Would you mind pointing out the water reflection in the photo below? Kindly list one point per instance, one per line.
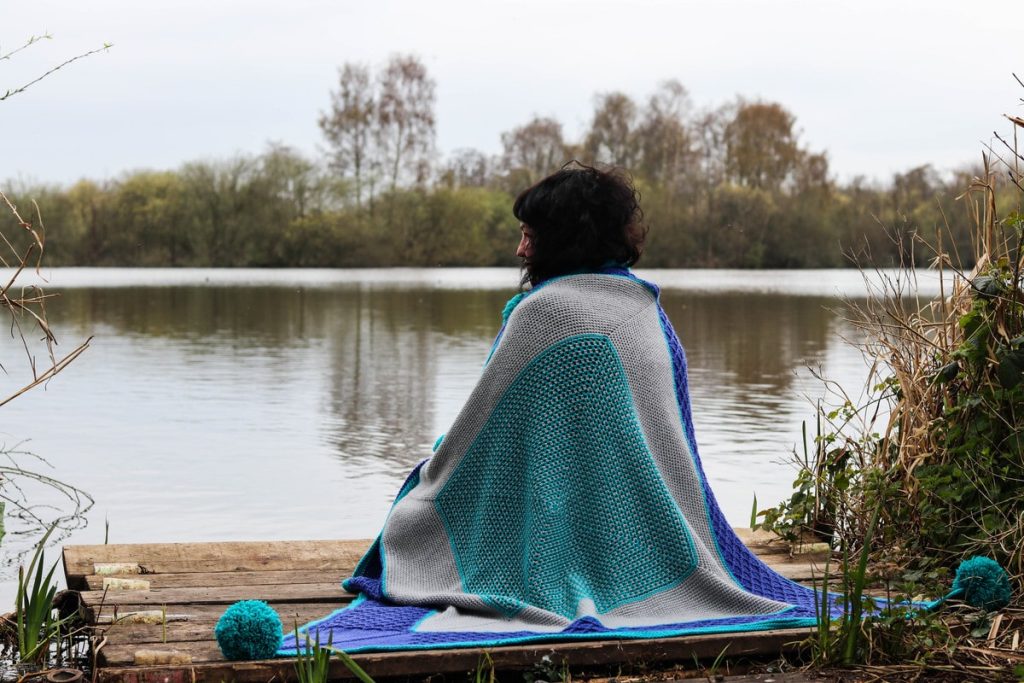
(382, 363)
(757, 339)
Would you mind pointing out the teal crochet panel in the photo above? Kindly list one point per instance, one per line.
(597, 521)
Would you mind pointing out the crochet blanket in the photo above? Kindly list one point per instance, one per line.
(567, 501)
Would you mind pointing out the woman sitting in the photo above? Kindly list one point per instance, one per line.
(567, 500)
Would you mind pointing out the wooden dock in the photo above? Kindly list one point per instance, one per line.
(151, 608)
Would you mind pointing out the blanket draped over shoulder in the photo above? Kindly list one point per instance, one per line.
(567, 501)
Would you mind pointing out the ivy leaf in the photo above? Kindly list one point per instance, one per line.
(947, 372)
(1011, 369)
(970, 321)
(987, 286)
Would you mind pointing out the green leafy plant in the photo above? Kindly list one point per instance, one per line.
(34, 609)
(313, 661)
(948, 388)
(485, 672)
(824, 474)
(547, 669)
(711, 672)
(925, 468)
(351, 665)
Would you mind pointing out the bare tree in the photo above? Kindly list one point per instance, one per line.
(467, 168)
(405, 127)
(381, 127)
(611, 138)
(710, 128)
(666, 145)
(533, 150)
(349, 128)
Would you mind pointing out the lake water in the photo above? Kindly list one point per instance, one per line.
(290, 404)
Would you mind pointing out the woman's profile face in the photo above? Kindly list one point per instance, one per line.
(525, 249)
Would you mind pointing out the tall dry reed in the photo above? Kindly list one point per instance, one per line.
(936, 442)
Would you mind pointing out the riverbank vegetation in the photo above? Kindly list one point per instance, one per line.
(726, 186)
(925, 467)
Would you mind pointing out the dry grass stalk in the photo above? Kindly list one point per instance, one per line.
(914, 343)
(937, 439)
(26, 306)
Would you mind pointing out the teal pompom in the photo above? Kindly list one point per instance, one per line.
(982, 583)
(249, 629)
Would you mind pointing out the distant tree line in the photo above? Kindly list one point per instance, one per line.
(731, 186)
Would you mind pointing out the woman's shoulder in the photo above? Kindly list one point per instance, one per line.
(594, 297)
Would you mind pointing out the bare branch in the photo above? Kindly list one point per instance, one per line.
(30, 303)
(50, 373)
(12, 93)
(31, 41)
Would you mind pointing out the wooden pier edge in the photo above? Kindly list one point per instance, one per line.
(508, 658)
(182, 588)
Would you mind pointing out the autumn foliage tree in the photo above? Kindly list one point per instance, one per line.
(726, 186)
(761, 146)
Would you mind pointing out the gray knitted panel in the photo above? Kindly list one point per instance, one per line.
(457, 620)
(704, 595)
(641, 346)
(418, 560)
(649, 369)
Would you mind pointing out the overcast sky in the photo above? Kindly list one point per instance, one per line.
(881, 85)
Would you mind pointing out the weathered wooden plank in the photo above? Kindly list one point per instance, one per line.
(798, 571)
(147, 634)
(199, 625)
(219, 595)
(338, 557)
(690, 672)
(212, 579)
(170, 558)
(770, 548)
(580, 654)
(81, 559)
(177, 558)
(794, 570)
(304, 592)
(302, 580)
(209, 614)
(115, 654)
(762, 542)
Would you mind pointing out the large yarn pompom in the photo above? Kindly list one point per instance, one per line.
(982, 583)
(249, 629)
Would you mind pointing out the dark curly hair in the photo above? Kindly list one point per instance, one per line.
(580, 218)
